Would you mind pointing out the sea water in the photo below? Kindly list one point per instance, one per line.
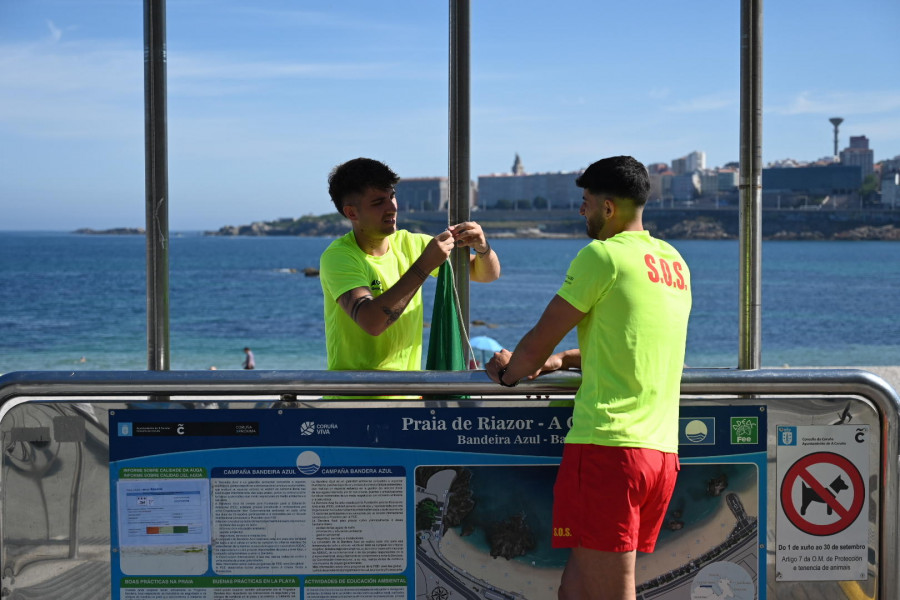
(78, 302)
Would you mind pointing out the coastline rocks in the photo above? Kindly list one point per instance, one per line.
(868, 232)
(696, 229)
(511, 538)
(798, 235)
(114, 231)
(324, 226)
(699, 224)
(717, 485)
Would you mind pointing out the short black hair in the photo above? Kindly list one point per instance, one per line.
(356, 176)
(618, 176)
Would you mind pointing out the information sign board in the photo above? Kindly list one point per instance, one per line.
(822, 524)
(404, 503)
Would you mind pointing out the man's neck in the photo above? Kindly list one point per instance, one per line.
(374, 246)
(613, 229)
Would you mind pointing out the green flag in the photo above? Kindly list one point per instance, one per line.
(445, 348)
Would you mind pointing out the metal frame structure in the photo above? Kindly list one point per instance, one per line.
(748, 382)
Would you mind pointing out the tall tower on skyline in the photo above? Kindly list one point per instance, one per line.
(517, 168)
(836, 121)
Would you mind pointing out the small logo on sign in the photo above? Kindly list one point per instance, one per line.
(787, 436)
(744, 430)
(308, 462)
(701, 430)
(307, 428)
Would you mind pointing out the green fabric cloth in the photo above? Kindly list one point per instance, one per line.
(445, 348)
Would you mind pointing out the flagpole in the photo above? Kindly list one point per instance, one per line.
(459, 180)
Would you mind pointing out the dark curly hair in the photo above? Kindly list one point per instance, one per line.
(618, 176)
(355, 177)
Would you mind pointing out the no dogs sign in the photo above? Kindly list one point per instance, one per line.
(822, 496)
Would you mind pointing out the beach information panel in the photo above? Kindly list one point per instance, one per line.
(404, 503)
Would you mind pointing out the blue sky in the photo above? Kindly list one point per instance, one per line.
(266, 96)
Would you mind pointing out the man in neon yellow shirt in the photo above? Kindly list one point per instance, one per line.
(372, 277)
(629, 294)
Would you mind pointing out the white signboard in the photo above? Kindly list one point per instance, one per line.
(822, 526)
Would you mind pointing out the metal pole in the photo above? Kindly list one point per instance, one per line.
(749, 329)
(156, 185)
(459, 179)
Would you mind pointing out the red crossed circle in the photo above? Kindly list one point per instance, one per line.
(846, 516)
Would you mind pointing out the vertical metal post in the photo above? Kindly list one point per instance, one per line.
(459, 179)
(156, 185)
(749, 330)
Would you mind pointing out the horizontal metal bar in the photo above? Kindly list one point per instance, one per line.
(262, 382)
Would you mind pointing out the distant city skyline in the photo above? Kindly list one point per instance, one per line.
(264, 99)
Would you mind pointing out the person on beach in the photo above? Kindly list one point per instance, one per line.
(372, 276)
(629, 295)
(249, 360)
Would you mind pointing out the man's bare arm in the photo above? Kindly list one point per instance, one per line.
(375, 315)
(533, 353)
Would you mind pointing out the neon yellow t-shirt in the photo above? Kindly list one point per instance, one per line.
(344, 266)
(636, 291)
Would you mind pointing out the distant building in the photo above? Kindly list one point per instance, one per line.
(890, 189)
(426, 193)
(729, 179)
(660, 184)
(709, 183)
(830, 186)
(686, 188)
(858, 154)
(518, 168)
(521, 190)
(890, 165)
(695, 161)
(814, 181)
(534, 190)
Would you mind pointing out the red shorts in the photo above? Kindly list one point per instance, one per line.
(612, 499)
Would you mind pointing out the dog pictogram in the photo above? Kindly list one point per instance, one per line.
(809, 495)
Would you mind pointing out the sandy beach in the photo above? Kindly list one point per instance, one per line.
(510, 575)
(698, 539)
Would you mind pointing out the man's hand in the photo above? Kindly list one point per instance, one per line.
(500, 360)
(435, 253)
(484, 265)
(470, 234)
(553, 363)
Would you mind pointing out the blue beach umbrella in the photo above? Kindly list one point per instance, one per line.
(484, 345)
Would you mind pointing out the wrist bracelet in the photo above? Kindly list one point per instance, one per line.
(500, 375)
(486, 250)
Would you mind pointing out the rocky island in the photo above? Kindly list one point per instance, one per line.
(511, 537)
(114, 231)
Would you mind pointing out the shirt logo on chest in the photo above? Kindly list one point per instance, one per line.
(376, 286)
